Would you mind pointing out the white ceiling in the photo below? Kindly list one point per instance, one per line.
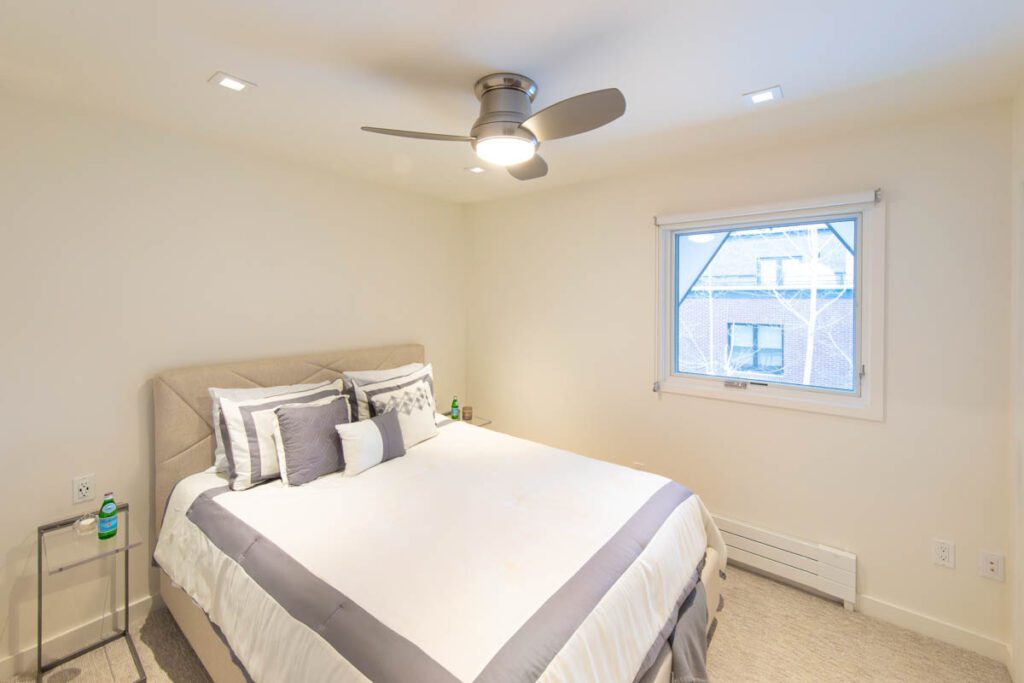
(324, 68)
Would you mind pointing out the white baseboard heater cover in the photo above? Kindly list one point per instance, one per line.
(827, 570)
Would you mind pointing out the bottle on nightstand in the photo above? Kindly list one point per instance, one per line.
(107, 517)
(455, 408)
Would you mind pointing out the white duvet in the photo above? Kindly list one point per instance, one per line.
(454, 547)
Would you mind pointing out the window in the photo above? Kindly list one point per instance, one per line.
(756, 348)
(789, 280)
(780, 307)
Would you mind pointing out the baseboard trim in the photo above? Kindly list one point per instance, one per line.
(25, 661)
(935, 628)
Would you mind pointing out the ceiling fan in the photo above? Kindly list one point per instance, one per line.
(508, 134)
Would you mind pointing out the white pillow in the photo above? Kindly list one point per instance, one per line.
(220, 458)
(361, 411)
(368, 376)
(250, 426)
(411, 397)
(370, 442)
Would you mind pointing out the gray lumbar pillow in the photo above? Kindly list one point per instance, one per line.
(308, 445)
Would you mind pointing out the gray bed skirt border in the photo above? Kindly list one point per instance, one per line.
(383, 655)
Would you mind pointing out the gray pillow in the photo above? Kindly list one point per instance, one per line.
(308, 445)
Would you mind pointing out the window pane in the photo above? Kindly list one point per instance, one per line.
(771, 303)
(769, 337)
(743, 335)
(769, 361)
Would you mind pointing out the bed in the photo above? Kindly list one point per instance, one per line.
(477, 556)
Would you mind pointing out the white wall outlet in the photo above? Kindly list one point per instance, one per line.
(944, 553)
(990, 565)
(83, 488)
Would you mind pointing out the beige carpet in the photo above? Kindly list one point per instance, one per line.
(767, 632)
(165, 655)
(772, 632)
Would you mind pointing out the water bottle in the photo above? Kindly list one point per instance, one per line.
(108, 517)
(455, 407)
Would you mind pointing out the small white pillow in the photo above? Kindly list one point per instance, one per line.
(370, 442)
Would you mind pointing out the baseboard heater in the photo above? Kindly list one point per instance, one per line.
(812, 565)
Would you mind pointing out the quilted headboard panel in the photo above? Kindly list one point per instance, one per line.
(183, 432)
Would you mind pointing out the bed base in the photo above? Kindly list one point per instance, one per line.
(200, 633)
(219, 662)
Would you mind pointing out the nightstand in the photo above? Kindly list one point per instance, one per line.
(61, 548)
(477, 421)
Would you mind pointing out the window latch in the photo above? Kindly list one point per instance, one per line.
(735, 384)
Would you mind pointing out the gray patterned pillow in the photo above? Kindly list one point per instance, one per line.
(412, 399)
(308, 445)
(365, 391)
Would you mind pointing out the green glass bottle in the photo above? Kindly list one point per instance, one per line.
(455, 408)
(108, 517)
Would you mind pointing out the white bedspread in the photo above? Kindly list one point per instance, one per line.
(453, 547)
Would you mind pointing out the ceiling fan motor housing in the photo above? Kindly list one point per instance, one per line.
(505, 102)
(507, 132)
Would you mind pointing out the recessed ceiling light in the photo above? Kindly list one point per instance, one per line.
(476, 169)
(766, 95)
(230, 82)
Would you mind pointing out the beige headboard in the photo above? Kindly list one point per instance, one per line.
(183, 432)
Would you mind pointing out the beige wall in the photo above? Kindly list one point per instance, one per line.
(125, 252)
(561, 350)
(1016, 565)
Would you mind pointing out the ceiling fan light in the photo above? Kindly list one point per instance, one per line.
(506, 150)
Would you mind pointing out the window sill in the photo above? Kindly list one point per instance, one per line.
(807, 400)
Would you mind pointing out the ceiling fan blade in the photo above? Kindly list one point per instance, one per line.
(528, 170)
(415, 134)
(577, 114)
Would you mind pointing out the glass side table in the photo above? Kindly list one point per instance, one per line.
(477, 421)
(61, 548)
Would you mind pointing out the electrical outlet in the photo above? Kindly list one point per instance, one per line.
(83, 488)
(944, 553)
(990, 565)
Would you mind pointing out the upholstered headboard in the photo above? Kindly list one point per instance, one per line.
(182, 428)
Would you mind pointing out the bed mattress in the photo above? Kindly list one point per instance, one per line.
(476, 557)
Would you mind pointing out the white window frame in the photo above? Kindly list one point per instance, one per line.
(865, 403)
